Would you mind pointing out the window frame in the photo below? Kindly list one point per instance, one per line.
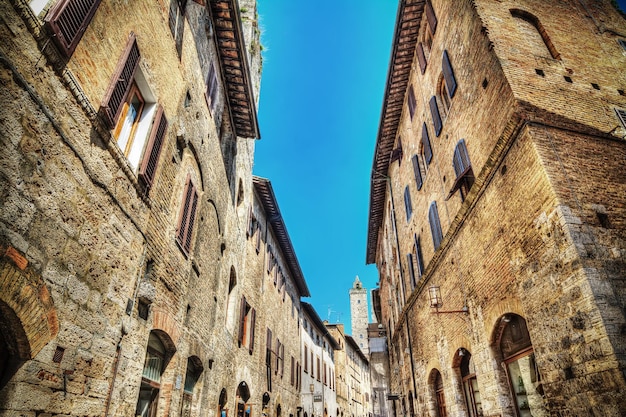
(68, 20)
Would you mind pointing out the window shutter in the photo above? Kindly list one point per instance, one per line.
(432, 19)
(242, 319)
(407, 203)
(434, 111)
(153, 149)
(212, 89)
(188, 216)
(419, 256)
(435, 226)
(428, 153)
(417, 172)
(282, 360)
(411, 101)
(121, 82)
(252, 323)
(621, 114)
(460, 160)
(293, 370)
(448, 74)
(68, 21)
(421, 57)
(409, 260)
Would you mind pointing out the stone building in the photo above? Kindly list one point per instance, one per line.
(498, 208)
(359, 319)
(128, 281)
(318, 394)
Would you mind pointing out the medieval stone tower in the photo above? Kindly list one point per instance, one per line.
(358, 314)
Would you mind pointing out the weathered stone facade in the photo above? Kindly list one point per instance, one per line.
(517, 304)
(359, 319)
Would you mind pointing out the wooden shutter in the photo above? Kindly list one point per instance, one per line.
(417, 172)
(460, 160)
(121, 82)
(153, 149)
(242, 319)
(448, 74)
(435, 225)
(251, 329)
(282, 360)
(411, 101)
(188, 215)
(434, 111)
(621, 115)
(419, 257)
(428, 152)
(409, 260)
(212, 87)
(421, 57)
(430, 16)
(407, 202)
(68, 20)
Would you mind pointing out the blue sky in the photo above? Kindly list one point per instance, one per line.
(324, 74)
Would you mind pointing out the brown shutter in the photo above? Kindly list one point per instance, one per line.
(68, 21)
(432, 19)
(434, 111)
(448, 74)
(121, 82)
(252, 322)
(421, 57)
(188, 215)
(153, 149)
(242, 319)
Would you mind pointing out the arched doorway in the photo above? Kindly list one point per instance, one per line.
(515, 348)
(14, 346)
(223, 400)
(471, 392)
(440, 400)
(243, 395)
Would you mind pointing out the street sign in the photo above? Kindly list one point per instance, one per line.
(317, 398)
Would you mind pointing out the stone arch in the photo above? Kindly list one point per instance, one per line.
(243, 391)
(437, 401)
(538, 26)
(28, 318)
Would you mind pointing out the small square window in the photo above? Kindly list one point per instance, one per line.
(540, 72)
(595, 86)
(568, 79)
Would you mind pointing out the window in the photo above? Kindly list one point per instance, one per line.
(426, 149)
(194, 368)
(434, 111)
(435, 225)
(470, 385)
(411, 101)
(421, 57)
(425, 44)
(177, 23)
(463, 170)
(407, 203)
(246, 325)
(318, 369)
(187, 216)
(448, 75)
(130, 110)
(68, 20)
(293, 371)
(431, 17)
(417, 172)
(212, 88)
(418, 256)
(306, 359)
(156, 359)
(439, 395)
(396, 154)
(268, 359)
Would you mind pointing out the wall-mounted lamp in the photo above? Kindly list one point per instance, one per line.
(436, 301)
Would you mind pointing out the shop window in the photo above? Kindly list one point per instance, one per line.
(470, 385)
(435, 225)
(463, 170)
(157, 356)
(525, 382)
(246, 325)
(187, 216)
(68, 20)
(130, 110)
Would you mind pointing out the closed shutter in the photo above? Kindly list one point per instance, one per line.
(428, 153)
(421, 57)
(409, 260)
(121, 82)
(153, 149)
(68, 21)
(621, 114)
(411, 101)
(212, 87)
(430, 16)
(419, 257)
(460, 160)
(251, 329)
(417, 172)
(242, 319)
(434, 111)
(407, 203)
(448, 74)
(435, 225)
(188, 216)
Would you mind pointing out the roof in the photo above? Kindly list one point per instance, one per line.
(404, 42)
(265, 192)
(320, 324)
(231, 49)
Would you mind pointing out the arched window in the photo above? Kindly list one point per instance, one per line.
(517, 353)
(536, 34)
(470, 384)
(440, 400)
(157, 356)
(194, 369)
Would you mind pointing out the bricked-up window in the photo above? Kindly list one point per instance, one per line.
(212, 88)
(187, 216)
(434, 111)
(408, 207)
(419, 258)
(427, 151)
(411, 101)
(247, 319)
(532, 28)
(435, 225)
(130, 110)
(68, 20)
(463, 170)
(177, 23)
(417, 171)
(409, 261)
